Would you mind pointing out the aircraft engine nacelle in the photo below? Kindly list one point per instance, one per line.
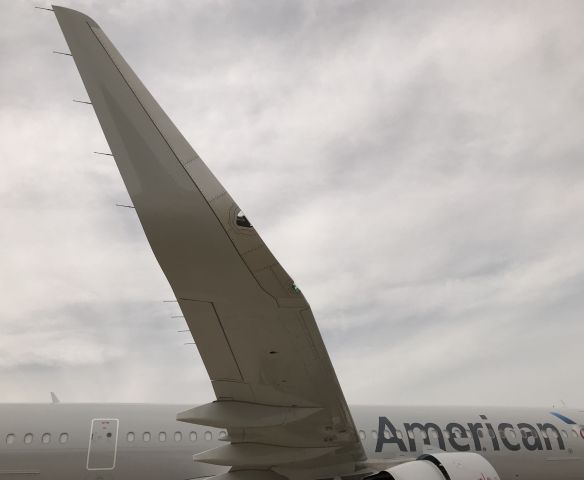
(441, 466)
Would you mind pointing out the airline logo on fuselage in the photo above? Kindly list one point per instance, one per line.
(473, 436)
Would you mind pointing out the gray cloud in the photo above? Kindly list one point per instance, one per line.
(415, 166)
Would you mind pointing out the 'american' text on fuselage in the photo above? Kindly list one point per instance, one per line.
(466, 438)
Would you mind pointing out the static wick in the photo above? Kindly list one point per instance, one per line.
(177, 316)
(169, 301)
(62, 53)
(104, 153)
(43, 8)
(125, 206)
(183, 331)
(189, 343)
(82, 101)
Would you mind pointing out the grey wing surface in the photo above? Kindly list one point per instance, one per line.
(276, 389)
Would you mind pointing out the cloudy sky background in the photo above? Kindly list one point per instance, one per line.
(417, 167)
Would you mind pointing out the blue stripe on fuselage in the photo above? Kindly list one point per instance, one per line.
(563, 418)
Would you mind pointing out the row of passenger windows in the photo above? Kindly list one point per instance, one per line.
(508, 432)
(130, 437)
(178, 436)
(29, 437)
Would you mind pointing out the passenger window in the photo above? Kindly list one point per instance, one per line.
(512, 433)
(64, 438)
(374, 434)
(361, 434)
(410, 434)
(424, 435)
(131, 436)
(222, 434)
(398, 433)
(10, 438)
(481, 434)
(434, 434)
(46, 438)
(574, 434)
(28, 438)
(162, 437)
(146, 436)
(564, 434)
(177, 436)
(208, 435)
(193, 436)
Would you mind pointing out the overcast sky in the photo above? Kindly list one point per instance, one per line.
(417, 167)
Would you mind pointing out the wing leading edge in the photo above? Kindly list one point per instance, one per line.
(277, 392)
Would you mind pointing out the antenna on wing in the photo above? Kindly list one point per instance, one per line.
(62, 53)
(54, 398)
(44, 8)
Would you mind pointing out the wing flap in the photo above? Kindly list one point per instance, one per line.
(244, 415)
(252, 455)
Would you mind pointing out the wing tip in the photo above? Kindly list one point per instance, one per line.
(73, 15)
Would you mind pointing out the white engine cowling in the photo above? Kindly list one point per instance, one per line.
(442, 466)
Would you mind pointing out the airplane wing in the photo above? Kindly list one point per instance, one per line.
(277, 392)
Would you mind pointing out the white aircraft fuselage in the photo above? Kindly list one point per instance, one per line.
(125, 441)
